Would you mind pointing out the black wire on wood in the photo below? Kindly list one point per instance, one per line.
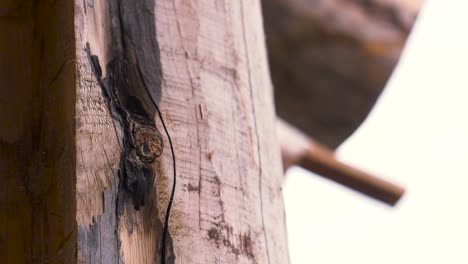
(98, 74)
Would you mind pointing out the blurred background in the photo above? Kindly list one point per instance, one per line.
(330, 61)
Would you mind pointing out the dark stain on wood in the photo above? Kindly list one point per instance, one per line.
(213, 234)
(193, 188)
(238, 244)
(222, 234)
(131, 86)
(142, 142)
(99, 243)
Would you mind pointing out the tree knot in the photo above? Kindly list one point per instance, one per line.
(147, 141)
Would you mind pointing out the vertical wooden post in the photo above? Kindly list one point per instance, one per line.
(204, 63)
(37, 127)
(65, 146)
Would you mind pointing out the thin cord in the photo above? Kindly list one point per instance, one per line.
(171, 198)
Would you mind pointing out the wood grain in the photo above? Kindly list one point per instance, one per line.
(37, 168)
(215, 95)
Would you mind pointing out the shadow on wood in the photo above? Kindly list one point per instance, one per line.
(37, 129)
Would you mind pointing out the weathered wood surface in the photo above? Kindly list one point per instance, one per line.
(37, 167)
(215, 95)
(330, 59)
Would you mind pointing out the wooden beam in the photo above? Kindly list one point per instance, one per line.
(299, 150)
(37, 129)
(331, 59)
(204, 64)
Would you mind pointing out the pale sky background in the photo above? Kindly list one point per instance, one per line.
(417, 136)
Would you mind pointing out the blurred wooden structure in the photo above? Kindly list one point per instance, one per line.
(330, 59)
(298, 149)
